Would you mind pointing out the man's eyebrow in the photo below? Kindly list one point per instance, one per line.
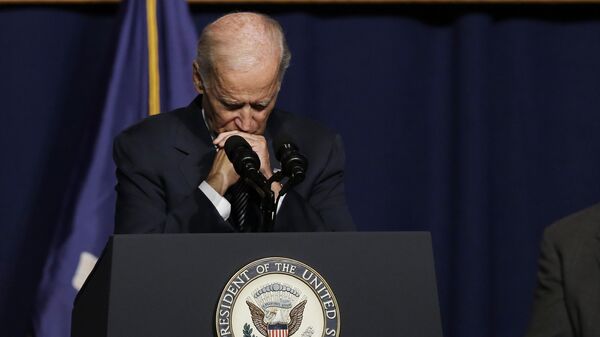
(264, 102)
(230, 101)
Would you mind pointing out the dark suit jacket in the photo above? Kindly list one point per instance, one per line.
(162, 160)
(567, 299)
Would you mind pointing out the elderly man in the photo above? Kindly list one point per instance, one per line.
(172, 172)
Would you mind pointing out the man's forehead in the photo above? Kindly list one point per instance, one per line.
(233, 97)
(258, 83)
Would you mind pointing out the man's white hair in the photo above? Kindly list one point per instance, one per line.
(243, 40)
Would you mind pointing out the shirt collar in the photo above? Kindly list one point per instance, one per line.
(210, 132)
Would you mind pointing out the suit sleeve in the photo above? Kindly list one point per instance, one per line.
(141, 201)
(549, 317)
(325, 208)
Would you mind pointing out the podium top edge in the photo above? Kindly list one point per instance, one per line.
(273, 234)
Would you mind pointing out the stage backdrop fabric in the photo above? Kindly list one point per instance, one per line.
(479, 124)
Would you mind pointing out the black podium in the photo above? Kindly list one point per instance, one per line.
(170, 285)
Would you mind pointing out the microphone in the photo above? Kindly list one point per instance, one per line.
(246, 164)
(293, 164)
(244, 160)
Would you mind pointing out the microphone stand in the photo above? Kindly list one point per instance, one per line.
(267, 204)
(269, 210)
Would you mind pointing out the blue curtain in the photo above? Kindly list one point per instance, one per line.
(478, 124)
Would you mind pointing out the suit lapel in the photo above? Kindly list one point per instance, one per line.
(194, 142)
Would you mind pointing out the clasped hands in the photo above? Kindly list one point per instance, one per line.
(222, 174)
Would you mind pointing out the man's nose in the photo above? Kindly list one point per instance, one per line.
(244, 122)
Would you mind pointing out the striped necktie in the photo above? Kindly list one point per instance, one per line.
(238, 197)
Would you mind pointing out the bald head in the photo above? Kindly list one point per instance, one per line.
(240, 42)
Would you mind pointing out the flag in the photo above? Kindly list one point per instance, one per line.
(151, 73)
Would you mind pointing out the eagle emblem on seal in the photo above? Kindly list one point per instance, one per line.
(277, 310)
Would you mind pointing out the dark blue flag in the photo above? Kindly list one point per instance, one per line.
(151, 73)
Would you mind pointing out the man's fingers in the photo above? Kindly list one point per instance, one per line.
(253, 140)
(258, 144)
(222, 137)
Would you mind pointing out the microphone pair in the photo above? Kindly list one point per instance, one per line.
(247, 164)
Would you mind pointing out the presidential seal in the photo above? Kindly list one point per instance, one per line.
(277, 297)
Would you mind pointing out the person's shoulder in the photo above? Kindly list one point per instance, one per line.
(572, 229)
(152, 129)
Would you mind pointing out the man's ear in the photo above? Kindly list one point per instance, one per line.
(197, 79)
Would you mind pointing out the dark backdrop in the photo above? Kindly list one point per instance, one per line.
(479, 124)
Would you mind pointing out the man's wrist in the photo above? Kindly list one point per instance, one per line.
(218, 183)
(267, 172)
